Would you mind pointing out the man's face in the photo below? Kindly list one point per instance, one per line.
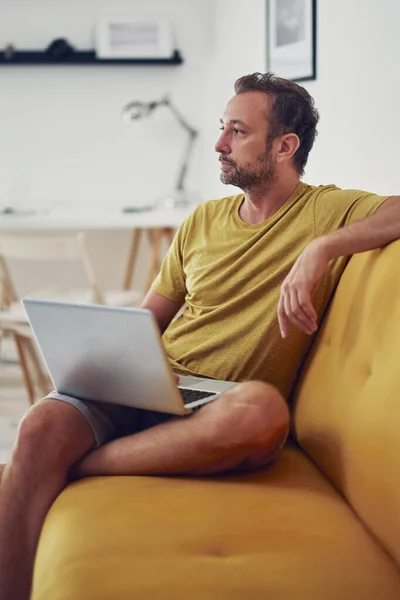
(245, 156)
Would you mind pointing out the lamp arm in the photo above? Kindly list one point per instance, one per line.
(193, 133)
(167, 102)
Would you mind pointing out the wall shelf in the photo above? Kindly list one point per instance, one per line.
(86, 57)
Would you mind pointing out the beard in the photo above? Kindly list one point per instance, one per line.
(246, 177)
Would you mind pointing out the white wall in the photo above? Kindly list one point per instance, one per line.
(357, 93)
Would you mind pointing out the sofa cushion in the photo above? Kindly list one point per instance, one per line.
(282, 533)
(347, 410)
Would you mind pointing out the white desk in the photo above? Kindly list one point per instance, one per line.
(64, 220)
(156, 223)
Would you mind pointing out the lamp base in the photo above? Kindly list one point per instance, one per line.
(178, 199)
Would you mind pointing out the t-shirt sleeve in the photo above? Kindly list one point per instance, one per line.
(335, 208)
(171, 281)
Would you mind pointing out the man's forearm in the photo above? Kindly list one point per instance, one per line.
(372, 232)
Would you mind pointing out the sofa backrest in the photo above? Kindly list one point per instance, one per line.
(347, 402)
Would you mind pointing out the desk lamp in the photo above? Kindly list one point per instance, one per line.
(179, 197)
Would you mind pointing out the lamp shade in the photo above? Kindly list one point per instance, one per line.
(137, 110)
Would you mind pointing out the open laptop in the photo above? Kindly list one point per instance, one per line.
(115, 355)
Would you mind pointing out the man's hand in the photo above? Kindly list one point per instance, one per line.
(295, 300)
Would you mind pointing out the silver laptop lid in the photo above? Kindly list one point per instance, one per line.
(105, 354)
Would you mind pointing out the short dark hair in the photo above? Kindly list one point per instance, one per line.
(293, 110)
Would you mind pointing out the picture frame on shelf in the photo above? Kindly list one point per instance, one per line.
(291, 39)
(133, 37)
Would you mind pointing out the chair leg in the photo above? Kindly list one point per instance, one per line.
(155, 237)
(30, 389)
(169, 233)
(133, 250)
(42, 379)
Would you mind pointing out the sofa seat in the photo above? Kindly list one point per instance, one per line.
(283, 533)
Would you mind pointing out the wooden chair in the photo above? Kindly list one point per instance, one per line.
(33, 373)
(17, 249)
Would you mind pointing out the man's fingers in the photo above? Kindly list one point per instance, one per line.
(298, 317)
(176, 377)
(303, 312)
(295, 306)
(304, 298)
(282, 318)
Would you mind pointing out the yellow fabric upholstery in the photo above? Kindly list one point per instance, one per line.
(347, 414)
(282, 534)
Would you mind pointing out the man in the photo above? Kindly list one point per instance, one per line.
(256, 272)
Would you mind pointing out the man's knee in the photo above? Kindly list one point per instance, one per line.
(51, 434)
(269, 407)
(255, 415)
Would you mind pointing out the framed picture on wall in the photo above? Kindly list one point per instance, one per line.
(134, 37)
(291, 43)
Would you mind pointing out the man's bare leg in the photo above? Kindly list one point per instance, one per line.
(240, 430)
(52, 437)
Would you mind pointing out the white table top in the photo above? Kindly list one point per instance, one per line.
(102, 219)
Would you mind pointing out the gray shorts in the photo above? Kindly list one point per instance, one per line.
(111, 421)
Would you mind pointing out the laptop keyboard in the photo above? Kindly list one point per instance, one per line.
(189, 396)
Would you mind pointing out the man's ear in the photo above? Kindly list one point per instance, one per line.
(288, 146)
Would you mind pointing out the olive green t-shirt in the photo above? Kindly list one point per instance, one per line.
(229, 274)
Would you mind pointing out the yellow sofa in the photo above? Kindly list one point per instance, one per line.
(322, 523)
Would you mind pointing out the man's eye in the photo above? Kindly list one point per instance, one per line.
(235, 130)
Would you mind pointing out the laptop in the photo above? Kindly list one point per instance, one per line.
(115, 355)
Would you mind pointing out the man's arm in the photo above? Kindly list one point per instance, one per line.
(372, 232)
(162, 308)
(375, 231)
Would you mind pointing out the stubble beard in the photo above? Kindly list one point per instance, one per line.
(249, 178)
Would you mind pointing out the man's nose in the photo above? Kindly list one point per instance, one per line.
(222, 145)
